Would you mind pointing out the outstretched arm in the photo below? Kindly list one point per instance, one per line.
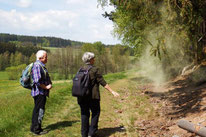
(113, 92)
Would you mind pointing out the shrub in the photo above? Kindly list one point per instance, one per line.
(14, 72)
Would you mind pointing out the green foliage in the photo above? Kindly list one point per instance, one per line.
(14, 72)
(32, 58)
(17, 43)
(29, 50)
(5, 60)
(64, 63)
(191, 16)
(12, 48)
(96, 47)
(173, 31)
(140, 23)
(45, 43)
(13, 55)
(88, 47)
(12, 59)
(132, 20)
(112, 59)
(119, 58)
(18, 59)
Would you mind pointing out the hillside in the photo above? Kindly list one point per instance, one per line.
(38, 40)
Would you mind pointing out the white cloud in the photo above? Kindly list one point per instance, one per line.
(101, 31)
(78, 20)
(24, 3)
(52, 19)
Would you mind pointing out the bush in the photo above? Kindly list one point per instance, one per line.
(14, 72)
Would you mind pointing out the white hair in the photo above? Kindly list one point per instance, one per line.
(87, 57)
(40, 54)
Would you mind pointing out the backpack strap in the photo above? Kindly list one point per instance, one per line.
(89, 67)
(42, 68)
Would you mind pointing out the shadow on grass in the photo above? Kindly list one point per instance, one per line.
(106, 132)
(61, 124)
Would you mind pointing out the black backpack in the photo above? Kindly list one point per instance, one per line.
(81, 83)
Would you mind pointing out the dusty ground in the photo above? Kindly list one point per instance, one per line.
(180, 98)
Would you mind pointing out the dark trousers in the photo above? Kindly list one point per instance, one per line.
(86, 106)
(38, 113)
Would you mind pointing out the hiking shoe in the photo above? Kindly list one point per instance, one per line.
(40, 133)
(95, 135)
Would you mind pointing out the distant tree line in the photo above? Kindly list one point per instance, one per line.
(12, 55)
(109, 59)
(66, 61)
(38, 41)
(12, 48)
(63, 62)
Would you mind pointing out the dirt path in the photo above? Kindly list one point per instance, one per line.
(141, 110)
(148, 111)
(134, 113)
(181, 99)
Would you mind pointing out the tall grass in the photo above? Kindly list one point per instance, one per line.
(62, 115)
(3, 75)
(16, 105)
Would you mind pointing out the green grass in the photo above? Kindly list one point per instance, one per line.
(130, 107)
(62, 115)
(52, 49)
(4, 75)
(114, 76)
(17, 104)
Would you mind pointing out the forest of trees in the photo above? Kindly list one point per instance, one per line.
(38, 41)
(173, 30)
(108, 59)
(64, 62)
(12, 55)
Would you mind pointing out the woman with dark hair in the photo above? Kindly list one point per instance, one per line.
(92, 101)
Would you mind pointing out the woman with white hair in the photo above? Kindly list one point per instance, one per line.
(92, 101)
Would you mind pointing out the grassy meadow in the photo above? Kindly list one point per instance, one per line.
(62, 117)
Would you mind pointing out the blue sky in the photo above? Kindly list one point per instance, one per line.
(79, 20)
